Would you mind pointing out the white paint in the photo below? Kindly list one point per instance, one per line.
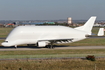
(101, 32)
(44, 35)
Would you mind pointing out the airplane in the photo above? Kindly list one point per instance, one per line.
(48, 35)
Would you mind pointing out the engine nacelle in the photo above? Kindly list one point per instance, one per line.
(41, 44)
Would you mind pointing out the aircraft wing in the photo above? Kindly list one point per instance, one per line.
(58, 40)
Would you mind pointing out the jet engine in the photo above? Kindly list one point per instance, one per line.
(41, 44)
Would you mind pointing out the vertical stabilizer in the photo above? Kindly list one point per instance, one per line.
(87, 27)
(101, 32)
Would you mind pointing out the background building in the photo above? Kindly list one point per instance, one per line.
(69, 20)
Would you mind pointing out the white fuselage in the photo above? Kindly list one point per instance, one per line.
(33, 34)
(44, 35)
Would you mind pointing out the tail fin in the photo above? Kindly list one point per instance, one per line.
(87, 27)
(101, 32)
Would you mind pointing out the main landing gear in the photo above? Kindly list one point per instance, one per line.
(50, 46)
(15, 46)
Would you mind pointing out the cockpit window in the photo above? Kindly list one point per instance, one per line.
(6, 41)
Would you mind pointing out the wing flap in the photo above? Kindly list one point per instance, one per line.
(58, 40)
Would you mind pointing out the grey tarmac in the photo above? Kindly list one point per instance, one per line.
(20, 48)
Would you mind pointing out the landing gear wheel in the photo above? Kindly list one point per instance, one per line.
(51, 47)
(15, 46)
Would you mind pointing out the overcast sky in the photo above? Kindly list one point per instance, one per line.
(51, 9)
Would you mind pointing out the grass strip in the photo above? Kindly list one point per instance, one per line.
(49, 56)
(54, 52)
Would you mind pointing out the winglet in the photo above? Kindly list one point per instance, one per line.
(101, 32)
(87, 27)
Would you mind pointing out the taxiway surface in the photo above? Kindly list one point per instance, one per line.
(56, 48)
